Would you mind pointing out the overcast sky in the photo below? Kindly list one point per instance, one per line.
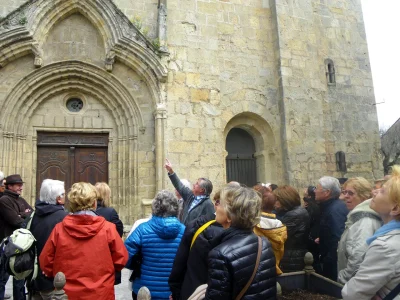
(382, 23)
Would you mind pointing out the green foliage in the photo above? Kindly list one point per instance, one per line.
(156, 44)
(137, 21)
(23, 21)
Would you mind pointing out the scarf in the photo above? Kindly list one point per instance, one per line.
(197, 200)
(392, 225)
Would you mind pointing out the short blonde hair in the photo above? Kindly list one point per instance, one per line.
(361, 185)
(287, 196)
(82, 196)
(242, 206)
(393, 184)
(104, 193)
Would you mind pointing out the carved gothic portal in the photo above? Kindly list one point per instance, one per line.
(72, 158)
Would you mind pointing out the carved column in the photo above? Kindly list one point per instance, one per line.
(160, 117)
(162, 25)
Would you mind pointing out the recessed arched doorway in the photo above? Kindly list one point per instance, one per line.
(241, 164)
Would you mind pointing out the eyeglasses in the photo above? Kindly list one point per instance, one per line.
(350, 193)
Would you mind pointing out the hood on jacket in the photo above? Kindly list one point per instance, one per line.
(43, 208)
(269, 221)
(83, 226)
(166, 228)
(360, 211)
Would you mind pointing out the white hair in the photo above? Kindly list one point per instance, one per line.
(186, 183)
(50, 190)
(1, 178)
(332, 184)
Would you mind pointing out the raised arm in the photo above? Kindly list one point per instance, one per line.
(185, 192)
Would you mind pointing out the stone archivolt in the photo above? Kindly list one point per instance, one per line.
(24, 32)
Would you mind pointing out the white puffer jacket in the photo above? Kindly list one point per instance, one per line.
(362, 222)
(379, 273)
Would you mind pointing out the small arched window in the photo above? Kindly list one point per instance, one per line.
(330, 72)
(341, 161)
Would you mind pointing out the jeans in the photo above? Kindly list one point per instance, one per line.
(3, 281)
(18, 286)
(19, 289)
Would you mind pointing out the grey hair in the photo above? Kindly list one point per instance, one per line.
(50, 190)
(332, 184)
(207, 185)
(186, 183)
(165, 204)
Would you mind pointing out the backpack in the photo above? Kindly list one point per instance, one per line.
(18, 255)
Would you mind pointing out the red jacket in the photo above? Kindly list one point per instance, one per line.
(88, 250)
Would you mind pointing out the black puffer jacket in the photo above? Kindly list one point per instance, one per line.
(297, 222)
(231, 264)
(46, 217)
(190, 267)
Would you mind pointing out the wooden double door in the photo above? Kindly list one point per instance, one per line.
(72, 157)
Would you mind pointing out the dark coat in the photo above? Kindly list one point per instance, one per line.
(231, 264)
(333, 217)
(297, 222)
(12, 212)
(111, 215)
(205, 207)
(190, 267)
(46, 217)
(315, 216)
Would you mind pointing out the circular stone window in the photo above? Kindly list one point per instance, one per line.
(74, 104)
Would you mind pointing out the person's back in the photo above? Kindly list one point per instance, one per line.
(273, 229)
(297, 224)
(190, 268)
(157, 241)
(85, 247)
(238, 250)
(49, 211)
(46, 217)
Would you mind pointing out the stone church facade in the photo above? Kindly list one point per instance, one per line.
(105, 90)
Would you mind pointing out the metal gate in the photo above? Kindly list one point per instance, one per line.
(242, 170)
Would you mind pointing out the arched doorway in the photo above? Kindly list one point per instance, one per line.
(240, 161)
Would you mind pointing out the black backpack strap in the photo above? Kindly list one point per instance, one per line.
(393, 293)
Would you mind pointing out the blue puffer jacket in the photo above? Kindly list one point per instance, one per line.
(157, 240)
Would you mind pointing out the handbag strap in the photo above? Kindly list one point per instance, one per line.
(200, 230)
(393, 293)
(254, 272)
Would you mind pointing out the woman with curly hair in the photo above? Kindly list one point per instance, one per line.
(378, 273)
(232, 262)
(157, 241)
(85, 247)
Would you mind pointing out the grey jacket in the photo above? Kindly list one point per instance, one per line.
(362, 222)
(379, 273)
(205, 207)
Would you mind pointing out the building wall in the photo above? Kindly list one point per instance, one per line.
(323, 119)
(258, 65)
(222, 67)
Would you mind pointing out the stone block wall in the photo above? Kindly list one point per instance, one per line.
(222, 65)
(322, 119)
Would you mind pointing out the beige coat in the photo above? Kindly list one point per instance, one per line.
(379, 273)
(362, 222)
